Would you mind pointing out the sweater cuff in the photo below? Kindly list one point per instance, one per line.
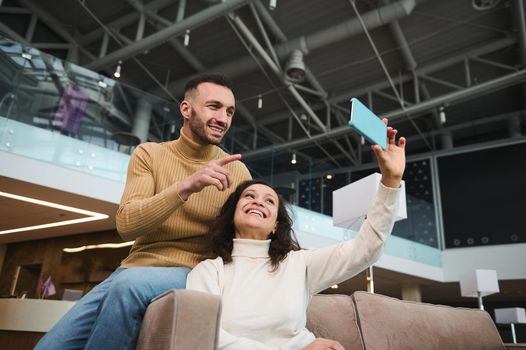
(172, 196)
(388, 195)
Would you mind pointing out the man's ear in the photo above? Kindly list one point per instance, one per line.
(185, 109)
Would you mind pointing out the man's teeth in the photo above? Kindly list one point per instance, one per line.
(255, 212)
(216, 129)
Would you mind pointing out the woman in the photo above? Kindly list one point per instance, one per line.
(266, 282)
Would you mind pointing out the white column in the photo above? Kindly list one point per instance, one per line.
(141, 121)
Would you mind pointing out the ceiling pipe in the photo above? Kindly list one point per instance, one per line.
(166, 34)
(415, 110)
(373, 19)
(253, 41)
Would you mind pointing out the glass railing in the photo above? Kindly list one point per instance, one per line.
(307, 221)
(53, 147)
(44, 91)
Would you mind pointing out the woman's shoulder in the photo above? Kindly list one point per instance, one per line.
(209, 264)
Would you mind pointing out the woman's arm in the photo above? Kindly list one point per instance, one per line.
(207, 277)
(337, 263)
(334, 264)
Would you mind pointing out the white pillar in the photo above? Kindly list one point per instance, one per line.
(141, 121)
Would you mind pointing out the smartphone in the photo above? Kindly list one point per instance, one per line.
(368, 124)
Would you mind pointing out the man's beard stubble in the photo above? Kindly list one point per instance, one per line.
(198, 128)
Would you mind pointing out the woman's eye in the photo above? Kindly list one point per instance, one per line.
(249, 195)
(270, 201)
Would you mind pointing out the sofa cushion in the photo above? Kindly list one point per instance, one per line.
(333, 317)
(389, 323)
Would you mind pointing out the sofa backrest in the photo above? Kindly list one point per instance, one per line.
(332, 316)
(372, 321)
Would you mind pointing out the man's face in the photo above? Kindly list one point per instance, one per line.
(208, 112)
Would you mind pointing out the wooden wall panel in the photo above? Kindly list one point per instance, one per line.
(81, 270)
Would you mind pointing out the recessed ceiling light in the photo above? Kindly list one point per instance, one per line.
(97, 246)
(91, 215)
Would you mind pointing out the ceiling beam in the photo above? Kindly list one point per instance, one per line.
(167, 33)
(415, 110)
(51, 21)
(315, 41)
(124, 21)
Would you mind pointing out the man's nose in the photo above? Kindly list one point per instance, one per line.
(222, 116)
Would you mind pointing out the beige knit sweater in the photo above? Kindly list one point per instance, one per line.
(167, 230)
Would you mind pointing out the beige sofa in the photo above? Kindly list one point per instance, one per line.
(183, 320)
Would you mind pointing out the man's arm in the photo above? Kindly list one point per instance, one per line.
(141, 209)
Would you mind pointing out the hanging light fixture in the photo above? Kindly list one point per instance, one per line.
(186, 41)
(272, 4)
(442, 115)
(293, 160)
(117, 73)
(260, 102)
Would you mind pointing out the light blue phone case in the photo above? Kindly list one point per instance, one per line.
(367, 124)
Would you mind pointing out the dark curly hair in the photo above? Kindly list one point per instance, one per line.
(222, 232)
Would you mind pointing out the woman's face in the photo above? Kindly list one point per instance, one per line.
(256, 212)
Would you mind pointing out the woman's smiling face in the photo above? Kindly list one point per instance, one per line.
(256, 212)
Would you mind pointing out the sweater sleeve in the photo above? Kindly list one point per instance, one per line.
(141, 209)
(207, 277)
(334, 264)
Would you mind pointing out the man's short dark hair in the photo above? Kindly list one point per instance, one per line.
(215, 78)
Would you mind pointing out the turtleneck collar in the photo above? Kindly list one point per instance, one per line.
(192, 150)
(251, 248)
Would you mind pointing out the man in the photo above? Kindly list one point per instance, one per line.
(173, 192)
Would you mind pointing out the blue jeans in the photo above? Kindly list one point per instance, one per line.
(110, 315)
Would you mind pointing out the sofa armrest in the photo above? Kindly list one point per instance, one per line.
(519, 346)
(181, 319)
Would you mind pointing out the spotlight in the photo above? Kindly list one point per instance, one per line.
(260, 102)
(117, 73)
(295, 67)
(293, 160)
(272, 4)
(329, 177)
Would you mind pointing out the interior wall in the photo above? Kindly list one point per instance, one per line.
(81, 271)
